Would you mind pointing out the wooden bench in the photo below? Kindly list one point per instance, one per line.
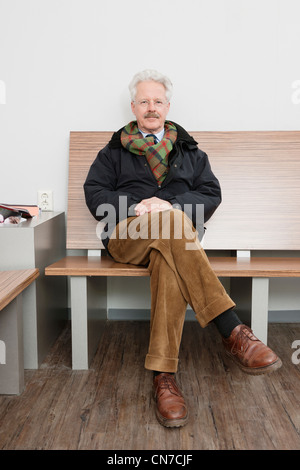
(12, 284)
(259, 174)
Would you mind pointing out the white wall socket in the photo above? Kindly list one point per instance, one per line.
(45, 200)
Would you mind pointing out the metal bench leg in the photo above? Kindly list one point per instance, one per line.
(88, 315)
(79, 332)
(252, 298)
(12, 359)
(259, 307)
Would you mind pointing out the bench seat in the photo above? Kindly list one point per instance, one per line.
(222, 266)
(12, 284)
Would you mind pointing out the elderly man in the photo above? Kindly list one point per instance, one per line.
(156, 167)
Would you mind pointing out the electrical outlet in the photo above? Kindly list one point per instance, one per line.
(45, 200)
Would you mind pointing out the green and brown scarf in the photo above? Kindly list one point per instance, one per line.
(157, 154)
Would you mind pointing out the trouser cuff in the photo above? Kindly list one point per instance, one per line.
(161, 364)
(214, 309)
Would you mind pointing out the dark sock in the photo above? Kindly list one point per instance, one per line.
(155, 373)
(226, 322)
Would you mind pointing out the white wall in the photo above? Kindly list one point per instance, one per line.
(66, 64)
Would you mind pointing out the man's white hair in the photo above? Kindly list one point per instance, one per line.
(150, 75)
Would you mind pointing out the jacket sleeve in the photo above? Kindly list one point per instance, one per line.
(100, 189)
(205, 191)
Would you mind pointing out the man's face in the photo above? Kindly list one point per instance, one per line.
(150, 106)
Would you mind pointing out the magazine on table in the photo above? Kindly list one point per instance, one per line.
(14, 213)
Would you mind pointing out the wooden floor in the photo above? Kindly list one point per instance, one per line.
(110, 406)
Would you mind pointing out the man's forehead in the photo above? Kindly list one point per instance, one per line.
(150, 87)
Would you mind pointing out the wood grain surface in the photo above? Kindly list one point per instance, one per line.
(12, 283)
(110, 406)
(222, 266)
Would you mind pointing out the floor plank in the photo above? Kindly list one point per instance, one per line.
(110, 406)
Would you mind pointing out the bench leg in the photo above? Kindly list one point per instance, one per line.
(259, 308)
(252, 298)
(88, 316)
(11, 358)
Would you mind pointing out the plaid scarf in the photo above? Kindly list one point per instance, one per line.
(156, 154)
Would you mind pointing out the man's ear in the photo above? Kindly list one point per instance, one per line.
(133, 107)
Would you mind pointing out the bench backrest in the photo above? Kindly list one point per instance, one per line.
(259, 173)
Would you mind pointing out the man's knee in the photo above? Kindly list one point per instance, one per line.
(182, 225)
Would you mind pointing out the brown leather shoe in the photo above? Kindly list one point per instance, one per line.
(249, 353)
(171, 410)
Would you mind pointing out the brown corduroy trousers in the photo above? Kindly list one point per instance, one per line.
(180, 274)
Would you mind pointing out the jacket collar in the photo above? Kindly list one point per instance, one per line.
(183, 137)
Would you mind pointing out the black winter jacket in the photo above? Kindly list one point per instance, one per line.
(117, 172)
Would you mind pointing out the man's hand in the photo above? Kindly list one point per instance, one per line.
(153, 204)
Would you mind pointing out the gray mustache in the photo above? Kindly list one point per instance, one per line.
(151, 115)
